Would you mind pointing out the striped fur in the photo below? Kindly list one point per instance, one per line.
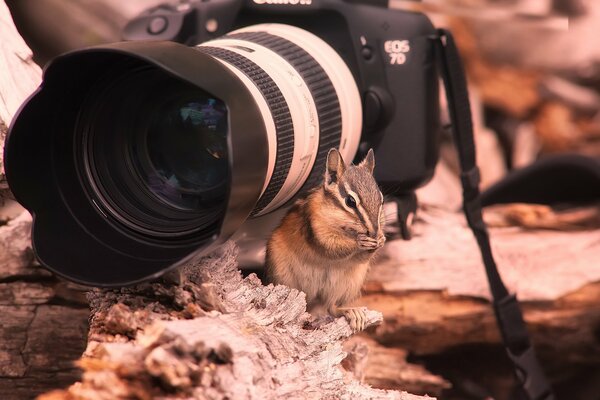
(323, 246)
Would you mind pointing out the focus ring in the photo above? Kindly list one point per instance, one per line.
(321, 88)
(281, 116)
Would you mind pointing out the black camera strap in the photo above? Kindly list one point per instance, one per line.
(506, 307)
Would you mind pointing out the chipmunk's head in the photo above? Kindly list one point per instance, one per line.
(354, 193)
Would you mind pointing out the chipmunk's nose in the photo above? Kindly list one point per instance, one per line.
(373, 229)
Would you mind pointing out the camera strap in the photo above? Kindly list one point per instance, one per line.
(506, 307)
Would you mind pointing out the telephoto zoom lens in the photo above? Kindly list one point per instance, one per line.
(136, 157)
(308, 100)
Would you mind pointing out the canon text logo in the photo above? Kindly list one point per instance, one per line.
(288, 2)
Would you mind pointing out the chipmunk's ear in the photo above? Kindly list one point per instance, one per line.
(335, 167)
(369, 161)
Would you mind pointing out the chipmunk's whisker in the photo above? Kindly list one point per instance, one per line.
(391, 217)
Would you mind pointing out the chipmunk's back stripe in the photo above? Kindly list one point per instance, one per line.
(321, 88)
(281, 116)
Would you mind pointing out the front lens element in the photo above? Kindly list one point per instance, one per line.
(186, 145)
(154, 152)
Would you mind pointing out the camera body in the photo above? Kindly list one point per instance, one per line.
(389, 52)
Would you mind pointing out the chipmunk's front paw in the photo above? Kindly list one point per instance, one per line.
(356, 317)
(368, 243)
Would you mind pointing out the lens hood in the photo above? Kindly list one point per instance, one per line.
(72, 234)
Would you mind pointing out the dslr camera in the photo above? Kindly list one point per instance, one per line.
(213, 116)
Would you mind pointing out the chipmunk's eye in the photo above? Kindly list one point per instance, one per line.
(350, 202)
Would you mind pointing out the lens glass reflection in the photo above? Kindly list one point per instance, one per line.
(154, 152)
(187, 147)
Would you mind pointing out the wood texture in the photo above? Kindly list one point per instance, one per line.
(43, 321)
(434, 296)
(247, 341)
(539, 264)
(387, 368)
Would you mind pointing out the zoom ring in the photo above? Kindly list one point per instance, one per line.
(281, 116)
(321, 88)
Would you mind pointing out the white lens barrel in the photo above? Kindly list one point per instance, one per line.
(308, 99)
(303, 114)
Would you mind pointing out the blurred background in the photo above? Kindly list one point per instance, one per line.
(534, 74)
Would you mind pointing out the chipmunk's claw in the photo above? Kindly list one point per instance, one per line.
(356, 318)
(368, 243)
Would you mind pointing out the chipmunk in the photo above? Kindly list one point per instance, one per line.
(325, 243)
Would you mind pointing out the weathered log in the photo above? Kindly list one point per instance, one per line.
(247, 341)
(538, 264)
(39, 321)
(44, 320)
(434, 295)
(387, 368)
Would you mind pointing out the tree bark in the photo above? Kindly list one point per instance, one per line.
(435, 300)
(43, 320)
(213, 334)
(387, 368)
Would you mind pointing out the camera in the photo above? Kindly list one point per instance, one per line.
(210, 120)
